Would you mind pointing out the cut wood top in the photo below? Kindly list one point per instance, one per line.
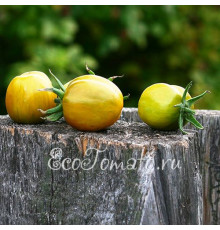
(122, 132)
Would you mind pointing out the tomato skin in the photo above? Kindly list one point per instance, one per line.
(156, 106)
(23, 98)
(92, 103)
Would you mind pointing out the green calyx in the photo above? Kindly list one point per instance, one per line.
(114, 77)
(55, 113)
(89, 70)
(110, 79)
(126, 97)
(58, 92)
(186, 113)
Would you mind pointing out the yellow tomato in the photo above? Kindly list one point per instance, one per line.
(23, 98)
(92, 103)
(66, 85)
(156, 106)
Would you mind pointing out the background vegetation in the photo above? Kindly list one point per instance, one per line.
(146, 44)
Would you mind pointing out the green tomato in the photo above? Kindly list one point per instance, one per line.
(163, 107)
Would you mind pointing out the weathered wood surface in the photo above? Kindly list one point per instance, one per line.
(153, 193)
(209, 154)
(209, 148)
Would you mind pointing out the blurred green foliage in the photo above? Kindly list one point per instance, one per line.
(146, 44)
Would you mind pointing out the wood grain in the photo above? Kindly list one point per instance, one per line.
(32, 193)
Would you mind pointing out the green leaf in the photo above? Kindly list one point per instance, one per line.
(89, 70)
(191, 101)
(188, 110)
(181, 120)
(58, 92)
(56, 109)
(54, 117)
(126, 97)
(185, 92)
(190, 118)
(114, 77)
(58, 81)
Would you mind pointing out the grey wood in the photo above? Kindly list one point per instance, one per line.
(152, 193)
(209, 154)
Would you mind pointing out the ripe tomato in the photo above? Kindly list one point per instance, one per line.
(157, 107)
(88, 103)
(92, 103)
(23, 98)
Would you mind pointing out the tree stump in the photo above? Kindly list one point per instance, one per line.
(126, 174)
(209, 153)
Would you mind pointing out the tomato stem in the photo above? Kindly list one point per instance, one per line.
(58, 81)
(57, 100)
(56, 109)
(126, 97)
(186, 113)
(181, 123)
(185, 93)
(89, 70)
(54, 117)
(114, 77)
(190, 118)
(56, 113)
(58, 92)
(191, 101)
